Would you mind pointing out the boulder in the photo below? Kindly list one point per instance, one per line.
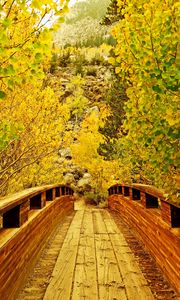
(69, 179)
(83, 185)
(65, 153)
(87, 176)
(93, 109)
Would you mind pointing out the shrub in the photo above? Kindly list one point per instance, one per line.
(91, 71)
(65, 58)
(97, 60)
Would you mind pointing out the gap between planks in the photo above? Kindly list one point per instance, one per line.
(61, 281)
(95, 262)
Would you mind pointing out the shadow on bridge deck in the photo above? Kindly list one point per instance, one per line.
(88, 257)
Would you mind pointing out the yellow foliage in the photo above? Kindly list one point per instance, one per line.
(146, 58)
(85, 154)
(31, 116)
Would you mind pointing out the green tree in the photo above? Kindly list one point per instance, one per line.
(113, 13)
(115, 98)
(146, 58)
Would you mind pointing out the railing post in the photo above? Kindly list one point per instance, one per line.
(23, 214)
(123, 190)
(143, 198)
(170, 213)
(43, 199)
(166, 212)
(115, 189)
(54, 193)
(130, 193)
(57, 193)
(1, 221)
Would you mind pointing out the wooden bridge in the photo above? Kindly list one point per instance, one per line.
(53, 247)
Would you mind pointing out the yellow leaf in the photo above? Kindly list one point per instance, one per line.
(112, 60)
(117, 70)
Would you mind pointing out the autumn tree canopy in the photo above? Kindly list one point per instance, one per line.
(145, 59)
(44, 89)
(29, 127)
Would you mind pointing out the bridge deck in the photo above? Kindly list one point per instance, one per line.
(93, 261)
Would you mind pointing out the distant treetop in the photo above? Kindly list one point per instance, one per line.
(113, 13)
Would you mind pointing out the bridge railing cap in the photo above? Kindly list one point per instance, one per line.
(149, 189)
(176, 204)
(13, 200)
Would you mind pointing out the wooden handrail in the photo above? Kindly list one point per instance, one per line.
(150, 197)
(144, 188)
(14, 208)
(156, 220)
(27, 219)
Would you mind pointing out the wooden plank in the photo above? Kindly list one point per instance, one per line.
(60, 284)
(79, 204)
(134, 281)
(85, 279)
(87, 224)
(24, 210)
(110, 282)
(99, 226)
(110, 228)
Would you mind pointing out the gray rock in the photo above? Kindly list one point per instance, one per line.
(65, 153)
(83, 185)
(69, 178)
(87, 176)
(93, 109)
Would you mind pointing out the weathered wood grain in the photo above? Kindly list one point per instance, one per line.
(100, 264)
(111, 285)
(166, 212)
(85, 278)
(99, 226)
(20, 246)
(60, 284)
(13, 200)
(162, 241)
(134, 281)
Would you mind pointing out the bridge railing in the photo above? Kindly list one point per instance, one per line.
(15, 209)
(27, 220)
(155, 220)
(150, 197)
